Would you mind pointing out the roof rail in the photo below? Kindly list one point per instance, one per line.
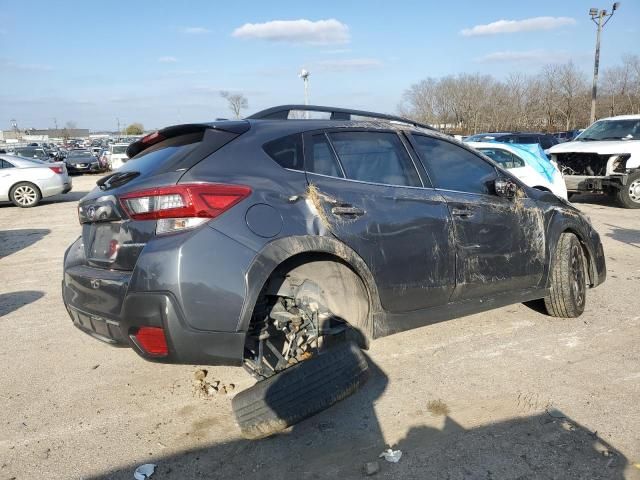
(281, 112)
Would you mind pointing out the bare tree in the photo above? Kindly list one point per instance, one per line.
(237, 102)
(556, 98)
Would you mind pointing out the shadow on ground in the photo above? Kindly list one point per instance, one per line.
(597, 199)
(629, 236)
(64, 197)
(339, 441)
(10, 302)
(12, 241)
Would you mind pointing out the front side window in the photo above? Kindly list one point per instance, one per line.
(452, 167)
(375, 157)
(287, 151)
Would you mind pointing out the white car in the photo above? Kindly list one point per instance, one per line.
(117, 155)
(25, 181)
(527, 162)
(604, 158)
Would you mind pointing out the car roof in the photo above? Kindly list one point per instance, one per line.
(498, 145)
(18, 161)
(622, 117)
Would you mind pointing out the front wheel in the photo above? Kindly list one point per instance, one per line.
(25, 195)
(629, 195)
(568, 293)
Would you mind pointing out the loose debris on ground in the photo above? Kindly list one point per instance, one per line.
(392, 456)
(203, 388)
(144, 471)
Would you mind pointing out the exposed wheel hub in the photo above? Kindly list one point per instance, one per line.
(290, 331)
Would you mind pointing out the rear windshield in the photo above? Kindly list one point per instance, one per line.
(170, 152)
(119, 149)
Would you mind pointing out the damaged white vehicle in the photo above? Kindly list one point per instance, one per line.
(605, 158)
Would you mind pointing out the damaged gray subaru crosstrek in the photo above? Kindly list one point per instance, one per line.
(286, 245)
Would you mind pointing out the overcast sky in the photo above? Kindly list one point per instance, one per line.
(163, 62)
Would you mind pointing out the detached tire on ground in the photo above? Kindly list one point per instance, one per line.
(568, 279)
(300, 391)
(628, 196)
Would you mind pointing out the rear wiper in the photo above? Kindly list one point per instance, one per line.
(116, 179)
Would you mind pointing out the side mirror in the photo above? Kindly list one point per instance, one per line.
(505, 188)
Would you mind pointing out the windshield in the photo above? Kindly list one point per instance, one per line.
(119, 149)
(78, 153)
(611, 130)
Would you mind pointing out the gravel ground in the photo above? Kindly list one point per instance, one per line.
(509, 393)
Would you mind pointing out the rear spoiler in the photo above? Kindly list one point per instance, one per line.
(237, 127)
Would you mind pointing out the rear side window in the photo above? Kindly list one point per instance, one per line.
(287, 152)
(322, 159)
(5, 164)
(505, 159)
(452, 167)
(376, 157)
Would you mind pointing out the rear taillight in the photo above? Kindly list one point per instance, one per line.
(180, 207)
(152, 341)
(57, 169)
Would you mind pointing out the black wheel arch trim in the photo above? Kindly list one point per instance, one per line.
(275, 253)
(562, 222)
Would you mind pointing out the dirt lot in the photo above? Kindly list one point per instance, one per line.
(506, 394)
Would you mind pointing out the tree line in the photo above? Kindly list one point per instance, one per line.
(557, 98)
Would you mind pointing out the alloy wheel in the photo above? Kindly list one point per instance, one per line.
(25, 195)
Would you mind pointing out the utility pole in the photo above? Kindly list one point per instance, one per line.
(598, 17)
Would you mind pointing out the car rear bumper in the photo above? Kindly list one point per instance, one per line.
(186, 346)
(199, 314)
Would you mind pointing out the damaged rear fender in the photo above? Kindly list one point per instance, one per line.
(284, 250)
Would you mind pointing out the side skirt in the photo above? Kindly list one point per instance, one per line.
(399, 322)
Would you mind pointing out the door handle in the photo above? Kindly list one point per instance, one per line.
(462, 212)
(347, 210)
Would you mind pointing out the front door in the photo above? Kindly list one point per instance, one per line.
(500, 242)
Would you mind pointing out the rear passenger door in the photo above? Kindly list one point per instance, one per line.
(373, 199)
(500, 242)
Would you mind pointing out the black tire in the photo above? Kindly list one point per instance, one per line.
(300, 391)
(628, 196)
(568, 279)
(25, 195)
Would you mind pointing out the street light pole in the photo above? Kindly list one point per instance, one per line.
(600, 15)
(304, 75)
